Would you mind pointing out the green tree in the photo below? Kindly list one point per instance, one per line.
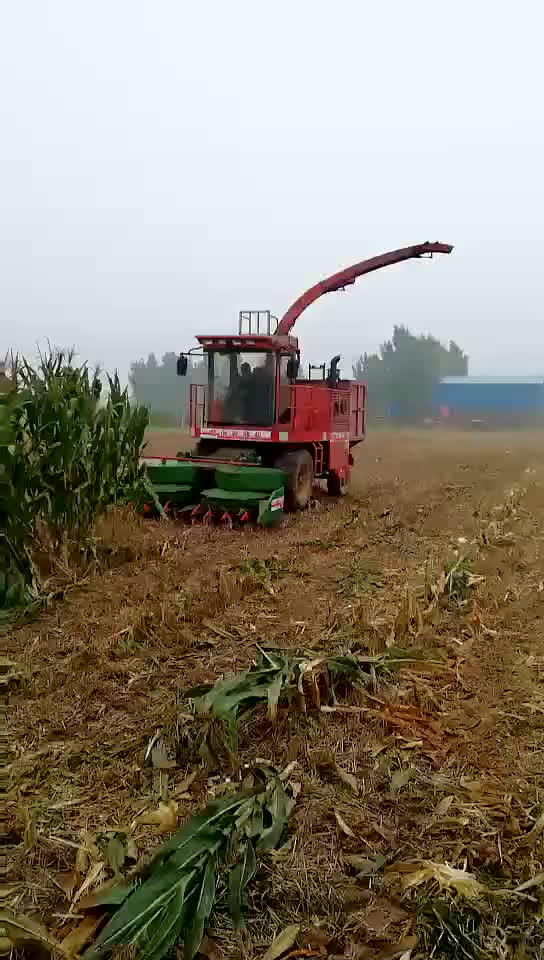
(401, 376)
(158, 387)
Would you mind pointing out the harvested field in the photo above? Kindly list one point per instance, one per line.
(417, 828)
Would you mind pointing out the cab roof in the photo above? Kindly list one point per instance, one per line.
(286, 344)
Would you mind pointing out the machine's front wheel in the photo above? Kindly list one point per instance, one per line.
(299, 469)
(336, 486)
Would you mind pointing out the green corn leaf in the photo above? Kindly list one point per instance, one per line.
(247, 689)
(240, 876)
(276, 809)
(194, 930)
(256, 824)
(107, 896)
(149, 918)
(343, 666)
(201, 828)
(274, 692)
(195, 693)
(183, 871)
(176, 896)
(161, 936)
(395, 656)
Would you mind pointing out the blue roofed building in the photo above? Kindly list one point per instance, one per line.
(508, 401)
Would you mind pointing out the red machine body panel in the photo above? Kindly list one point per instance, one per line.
(317, 413)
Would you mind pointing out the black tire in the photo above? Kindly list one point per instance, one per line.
(336, 486)
(299, 469)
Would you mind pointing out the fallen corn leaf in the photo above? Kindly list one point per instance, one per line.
(401, 778)
(529, 884)
(208, 948)
(80, 935)
(94, 877)
(529, 839)
(115, 854)
(446, 876)
(348, 778)
(343, 825)
(364, 865)
(316, 937)
(353, 897)
(185, 784)
(381, 913)
(165, 817)
(132, 849)
(21, 932)
(283, 942)
(443, 806)
(440, 811)
(110, 893)
(30, 834)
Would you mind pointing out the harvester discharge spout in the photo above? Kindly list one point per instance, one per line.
(337, 281)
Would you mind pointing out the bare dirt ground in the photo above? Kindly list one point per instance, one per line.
(445, 765)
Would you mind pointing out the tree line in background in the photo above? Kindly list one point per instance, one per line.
(399, 378)
(157, 386)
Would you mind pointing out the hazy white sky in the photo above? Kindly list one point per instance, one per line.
(165, 163)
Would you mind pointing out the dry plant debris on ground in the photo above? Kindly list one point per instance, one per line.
(416, 823)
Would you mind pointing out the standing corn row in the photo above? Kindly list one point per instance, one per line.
(5, 441)
(81, 454)
(65, 455)
(16, 567)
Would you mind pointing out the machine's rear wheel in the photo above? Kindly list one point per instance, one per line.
(299, 469)
(336, 486)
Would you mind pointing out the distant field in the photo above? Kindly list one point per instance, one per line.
(424, 453)
(167, 441)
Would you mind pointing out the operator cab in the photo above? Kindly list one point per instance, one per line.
(242, 386)
(249, 376)
(249, 379)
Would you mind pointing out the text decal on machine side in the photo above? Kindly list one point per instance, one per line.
(221, 434)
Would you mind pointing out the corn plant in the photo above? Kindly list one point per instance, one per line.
(80, 456)
(17, 575)
(176, 895)
(68, 458)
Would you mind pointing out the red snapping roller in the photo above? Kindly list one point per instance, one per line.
(337, 281)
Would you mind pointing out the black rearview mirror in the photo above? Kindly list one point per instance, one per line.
(293, 365)
(181, 365)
